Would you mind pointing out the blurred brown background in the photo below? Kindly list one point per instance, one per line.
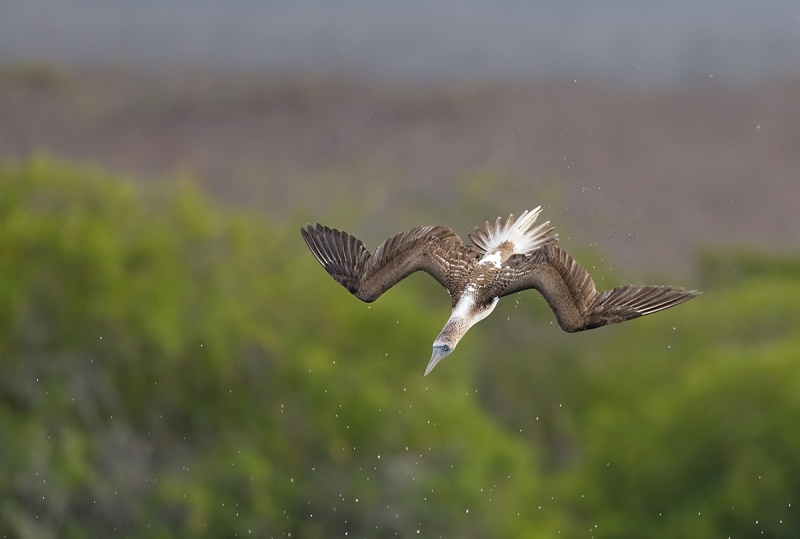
(647, 129)
(649, 175)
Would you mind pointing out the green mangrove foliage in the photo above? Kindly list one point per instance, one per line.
(172, 371)
(168, 369)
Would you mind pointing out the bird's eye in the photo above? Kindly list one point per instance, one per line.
(445, 348)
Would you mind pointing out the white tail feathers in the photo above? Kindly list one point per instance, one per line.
(518, 233)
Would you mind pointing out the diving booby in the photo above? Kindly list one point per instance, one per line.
(504, 258)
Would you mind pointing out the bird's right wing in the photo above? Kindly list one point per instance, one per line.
(571, 293)
(436, 250)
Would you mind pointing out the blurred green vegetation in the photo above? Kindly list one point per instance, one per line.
(168, 369)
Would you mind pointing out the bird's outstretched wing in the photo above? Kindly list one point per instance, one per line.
(571, 293)
(436, 250)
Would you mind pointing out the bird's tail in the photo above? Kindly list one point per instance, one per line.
(518, 233)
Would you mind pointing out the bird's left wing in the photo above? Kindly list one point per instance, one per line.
(571, 293)
(436, 250)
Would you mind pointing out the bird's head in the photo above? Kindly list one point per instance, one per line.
(440, 351)
(446, 342)
(465, 315)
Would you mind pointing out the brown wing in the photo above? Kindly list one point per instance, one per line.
(571, 294)
(436, 250)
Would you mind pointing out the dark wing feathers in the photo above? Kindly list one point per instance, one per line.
(436, 250)
(571, 293)
(342, 255)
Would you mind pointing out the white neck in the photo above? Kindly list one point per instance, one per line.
(464, 311)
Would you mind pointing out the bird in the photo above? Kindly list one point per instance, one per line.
(504, 258)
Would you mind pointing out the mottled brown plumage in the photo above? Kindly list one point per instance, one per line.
(436, 250)
(506, 258)
(571, 294)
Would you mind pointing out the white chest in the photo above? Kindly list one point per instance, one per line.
(466, 309)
